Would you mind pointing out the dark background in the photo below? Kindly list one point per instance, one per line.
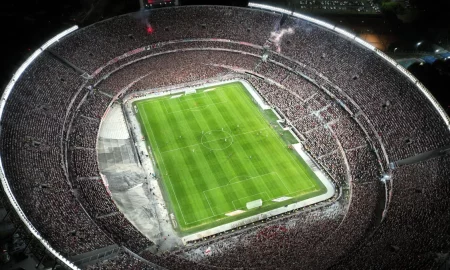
(26, 24)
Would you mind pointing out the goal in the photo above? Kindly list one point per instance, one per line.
(254, 204)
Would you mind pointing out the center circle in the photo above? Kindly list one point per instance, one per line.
(216, 139)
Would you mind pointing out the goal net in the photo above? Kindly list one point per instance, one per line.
(190, 91)
(254, 204)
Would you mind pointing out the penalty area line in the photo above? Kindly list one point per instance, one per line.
(165, 167)
(209, 204)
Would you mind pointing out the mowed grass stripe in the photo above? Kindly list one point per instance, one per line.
(206, 183)
(208, 172)
(197, 169)
(234, 114)
(193, 118)
(162, 165)
(250, 145)
(238, 111)
(280, 158)
(178, 167)
(222, 203)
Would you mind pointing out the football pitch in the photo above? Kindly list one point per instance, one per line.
(216, 150)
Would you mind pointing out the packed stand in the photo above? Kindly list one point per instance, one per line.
(334, 164)
(320, 142)
(95, 105)
(300, 86)
(122, 261)
(171, 69)
(93, 46)
(278, 244)
(84, 132)
(365, 77)
(363, 164)
(123, 232)
(335, 112)
(416, 228)
(94, 197)
(32, 154)
(161, 47)
(40, 98)
(417, 213)
(307, 123)
(349, 133)
(83, 162)
(272, 71)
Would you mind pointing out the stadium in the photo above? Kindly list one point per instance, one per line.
(213, 137)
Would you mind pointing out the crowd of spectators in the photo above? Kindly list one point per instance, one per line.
(83, 162)
(272, 71)
(320, 141)
(309, 239)
(415, 232)
(333, 162)
(123, 232)
(363, 164)
(172, 46)
(92, 193)
(300, 86)
(122, 261)
(279, 244)
(86, 48)
(388, 98)
(32, 157)
(172, 68)
(95, 105)
(84, 132)
(306, 123)
(383, 102)
(349, 133)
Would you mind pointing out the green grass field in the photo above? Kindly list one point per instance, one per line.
(217, 150)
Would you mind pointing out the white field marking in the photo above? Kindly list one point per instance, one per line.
(282, 181)
(210, 89)
(195, 97)
(302, 191)
(187, 223)
(220, 113)
(176, 96)
(173, 190)
(232, 135)
(229, 181)
(167, 97)
(247, 197)
(209, 204)
(165, 107)
(239, 181)
(282, 143)
(151, 100)
(261, 118)
(239, 134)
(268, 189)
(195, 109)
(226, 132)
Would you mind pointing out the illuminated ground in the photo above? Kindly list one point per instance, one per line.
(216, 150)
